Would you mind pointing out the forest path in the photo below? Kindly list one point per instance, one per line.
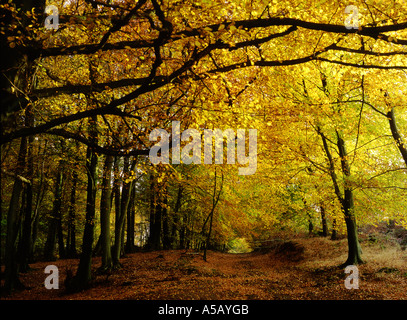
(274, 275)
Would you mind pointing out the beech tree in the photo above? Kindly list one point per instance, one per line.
(112, 71)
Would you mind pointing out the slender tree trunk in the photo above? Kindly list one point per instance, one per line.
(71, 239)
(215, 200)
(105, 208)
(176, 225)
(323, 221)
(154, 239)
(83, 275)
(310, 225)
(13, 222)
(49, 250)
(166, 222)
(334, 235)
(119, 221)
(122, 203)
(25, 240)
(39, 198)
(131, 213)
(396, 135)
(354, 250)
(117, 186)
(182, 233)
(60, 236)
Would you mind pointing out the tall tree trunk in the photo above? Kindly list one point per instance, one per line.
(13, 222)
(176, 219)
(166, 221)
(323, 221)
(154, 239)
(122, 203)
(215, 200)
(334, 234)
(105, 208)
(54, 223)
(346, 201)
(396, 135)
(16, 67)
(71, 239)
(83, 275)
(354, 250)
(131, 213)
(117, 186)
(39, 198)
(25, 241)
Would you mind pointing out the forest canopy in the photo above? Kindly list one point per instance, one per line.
(323, 86)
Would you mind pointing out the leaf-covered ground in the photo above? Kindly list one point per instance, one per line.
(298, 269)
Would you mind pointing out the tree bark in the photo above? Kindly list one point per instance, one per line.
(166, 221)
(176, 225)
(54, 222)
(13, 222)
(354, 250)
(346, 201)
(25, 241)
(131, 213)
(154, 239)
(105, 208)
(83, 275)
(323, 221)
(396, 135)
(334, 234)
(71, 239)
(215, 200)
(122, 203)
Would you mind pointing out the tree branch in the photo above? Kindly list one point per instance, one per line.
(123, 151)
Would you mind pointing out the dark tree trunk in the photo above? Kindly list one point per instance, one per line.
(166, 223)
(215, 200)
(122, 203)
(36, 212)
(310, 226)
(176, 219)
(396, 135)
(154, 239)
(13, 222)
(83, 275)
(131, 213)
(346, 201)
(354, 250)
(334, 235)
(55, 220)
(25, 241)
(105, 208)
(323, 221)
(71, 239)
(16, 67)
(117, 186)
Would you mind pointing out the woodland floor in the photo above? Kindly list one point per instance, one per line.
(306, 268)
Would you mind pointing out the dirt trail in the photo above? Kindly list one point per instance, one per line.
(304, 269)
